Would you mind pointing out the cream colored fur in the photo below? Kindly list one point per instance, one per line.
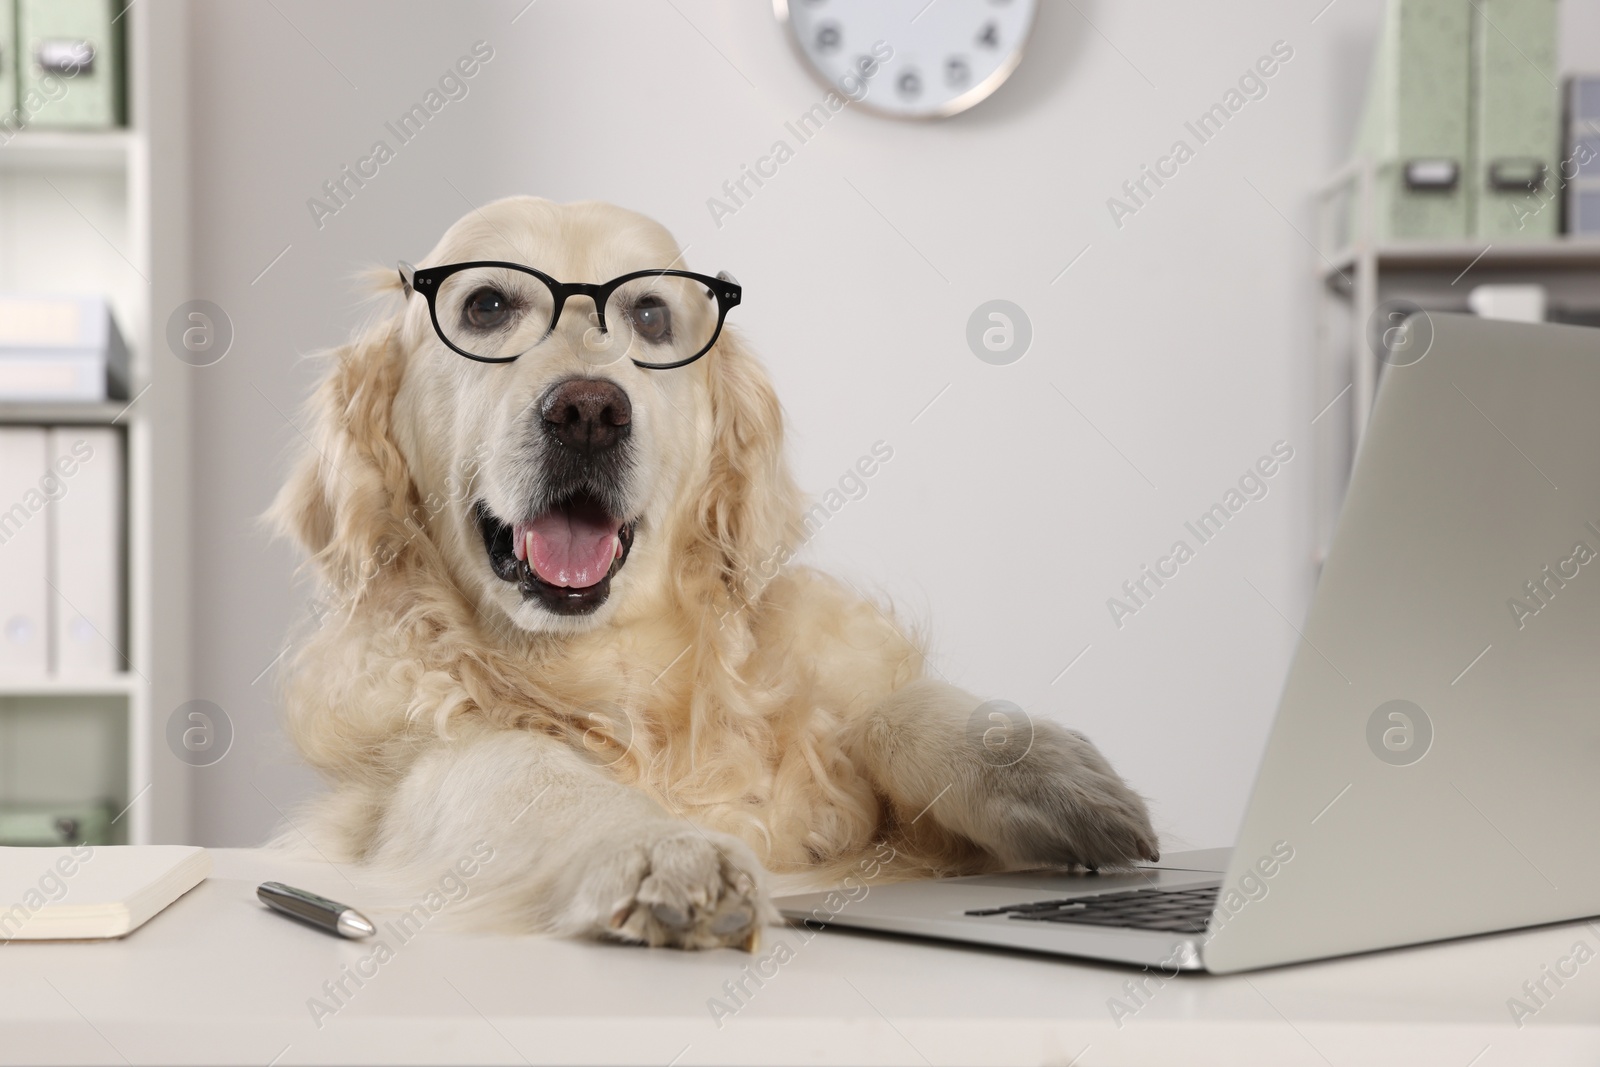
(725, 713)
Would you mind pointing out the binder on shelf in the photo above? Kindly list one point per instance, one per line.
(42, 825)
(1516, 120)
(8, 68)
(25, 497)
(1414, 124)
(1580, 164)
(60, 348)
(86, 551)
(70, 58)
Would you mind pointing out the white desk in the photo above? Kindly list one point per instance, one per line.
(218, 979)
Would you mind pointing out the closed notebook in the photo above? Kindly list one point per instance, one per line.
(60, 349)
(92, 891)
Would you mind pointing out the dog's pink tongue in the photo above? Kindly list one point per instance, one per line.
(569, 549)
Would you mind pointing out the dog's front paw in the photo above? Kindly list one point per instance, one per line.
(674, 884)
(1062, 804)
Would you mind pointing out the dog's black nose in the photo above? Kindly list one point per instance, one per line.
(587, 415)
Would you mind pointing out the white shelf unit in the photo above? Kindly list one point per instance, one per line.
(106, 212)
(1362, 273)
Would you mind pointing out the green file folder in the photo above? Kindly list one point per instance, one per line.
(70, 62)
(55, 824)
(1516, 120)
(8, 69)
(1414, 126)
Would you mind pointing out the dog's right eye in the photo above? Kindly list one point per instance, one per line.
(486, 309)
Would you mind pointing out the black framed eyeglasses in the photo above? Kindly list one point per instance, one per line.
(494, 312)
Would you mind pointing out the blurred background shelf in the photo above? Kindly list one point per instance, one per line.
(109, 413)
(111, 685)
(1440, 276)
(69, 150)
(1582, 253)
(96, 212)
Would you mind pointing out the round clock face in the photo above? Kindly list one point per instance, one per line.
(910, 58)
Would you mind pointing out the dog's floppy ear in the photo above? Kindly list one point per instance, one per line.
(345, 501)
(747, 508)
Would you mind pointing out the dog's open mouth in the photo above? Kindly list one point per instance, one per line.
(564, 557)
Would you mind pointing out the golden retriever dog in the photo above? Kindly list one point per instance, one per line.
(562, 625)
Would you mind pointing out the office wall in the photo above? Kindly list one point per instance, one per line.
(1169, 351)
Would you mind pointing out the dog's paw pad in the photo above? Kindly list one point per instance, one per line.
(734, 921)
(693, 890)
(670, 917)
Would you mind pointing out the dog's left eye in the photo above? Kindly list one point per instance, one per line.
(487, 309)
(652, 320)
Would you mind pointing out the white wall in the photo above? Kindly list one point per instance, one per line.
(1006, 518)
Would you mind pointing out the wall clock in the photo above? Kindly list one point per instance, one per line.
(913, 59)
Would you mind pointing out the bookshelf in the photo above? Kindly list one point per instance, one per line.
(103, 414)
(1359, 274)
(46, 151)
(105, 211)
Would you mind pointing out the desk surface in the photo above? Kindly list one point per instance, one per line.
(218, 979)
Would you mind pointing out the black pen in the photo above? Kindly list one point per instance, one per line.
(321, 912)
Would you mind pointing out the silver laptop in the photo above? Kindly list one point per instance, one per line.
(1434, 767)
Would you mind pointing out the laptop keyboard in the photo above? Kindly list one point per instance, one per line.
(1182, 911)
